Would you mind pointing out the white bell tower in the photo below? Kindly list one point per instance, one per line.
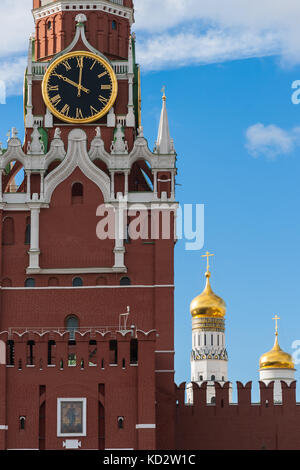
(209, 358)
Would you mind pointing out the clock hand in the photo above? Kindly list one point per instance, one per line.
(80, 77)
(65, 79)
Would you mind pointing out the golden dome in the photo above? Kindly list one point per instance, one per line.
(276, 358)
(208, 304)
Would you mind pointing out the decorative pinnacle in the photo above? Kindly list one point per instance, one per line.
(276, 318)
(207, 256)
(163, 90)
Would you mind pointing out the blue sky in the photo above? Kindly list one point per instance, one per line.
(246, 175)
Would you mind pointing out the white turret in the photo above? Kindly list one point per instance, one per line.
(276, 365)
(209, 359)
(164, 144)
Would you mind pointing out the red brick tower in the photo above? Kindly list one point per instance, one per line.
(75, 370)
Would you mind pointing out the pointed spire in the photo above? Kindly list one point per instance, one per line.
(164, 144)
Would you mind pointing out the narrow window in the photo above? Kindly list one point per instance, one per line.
(30, 357)
(30, 282)
(93, 353)
(77, 193)
(204, 340)
(8, 231)
(218, 340)
(134, 351)
(27, 231)
(113, 351)
(51, 345)
(22, 420)
(72, 326)
(212, 340)
(114, 25)
(121, 422)
(77, 282)
(213, 378)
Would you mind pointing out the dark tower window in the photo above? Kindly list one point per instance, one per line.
(30, 358)
(213, 378)
(77, 282)
(120, 422)
(30, 282)
(8, 231)
(51, 345)
(72, 326)
(125, 281)
(114, 25)
(134, 351)
(113, 352)
(77, 193)
(22, 422)
(27, 231)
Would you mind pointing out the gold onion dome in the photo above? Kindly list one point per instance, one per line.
(208, 304)
(276, 358)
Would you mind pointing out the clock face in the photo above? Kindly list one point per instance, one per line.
(79, 87)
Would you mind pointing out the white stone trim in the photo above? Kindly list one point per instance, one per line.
(103, 5)
(3, 427)
(165, 352)
(145, 426)
(70, 271)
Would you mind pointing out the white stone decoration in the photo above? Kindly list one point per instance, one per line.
(164, 144)
(36, 146)
(276, 376)
(119, 146)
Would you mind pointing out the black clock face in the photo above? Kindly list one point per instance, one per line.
(79, 87)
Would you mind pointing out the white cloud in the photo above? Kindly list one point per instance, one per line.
(271, 141)
(243, 25)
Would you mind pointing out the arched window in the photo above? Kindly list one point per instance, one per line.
(72, 326)
(125, 281)
(8, 231)
(27, 231)
(213, 378)
(77, 282)
(30, 282)
(22, 422)
(77, 193)
(49, 25)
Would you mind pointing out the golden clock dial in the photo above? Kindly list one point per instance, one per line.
(79, 87)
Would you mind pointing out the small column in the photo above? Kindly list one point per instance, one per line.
(34, 252)
(119, 250)
(155, 184)
(28, 174)
(42, 185)
(29, 117)
(126, 174)
(173, 185)
(130, 118)
(112, 185)
(1, 185)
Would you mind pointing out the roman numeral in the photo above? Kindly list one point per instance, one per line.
(93, 110)
(65, 110)
(106, 87)
(93, 64)
(79, 114)
(102, 99)
(53, 88)
(103, 74)
(80, 61)
(55, 99)
(67, 65)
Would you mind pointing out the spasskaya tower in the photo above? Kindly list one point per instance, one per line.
(87, 275)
